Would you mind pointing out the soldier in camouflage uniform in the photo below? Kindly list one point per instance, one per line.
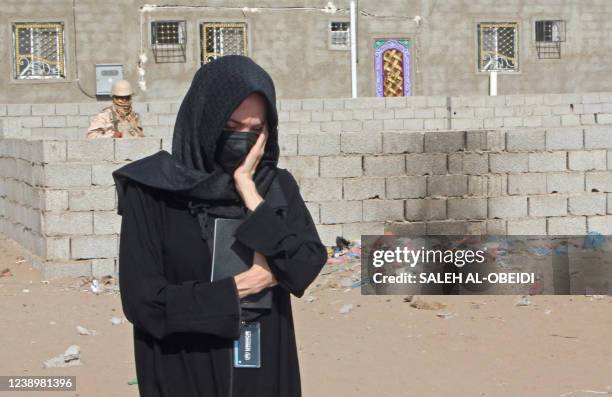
(118, 120)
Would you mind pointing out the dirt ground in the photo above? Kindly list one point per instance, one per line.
(488, 346)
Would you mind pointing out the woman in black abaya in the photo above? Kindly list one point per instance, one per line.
(223, 164)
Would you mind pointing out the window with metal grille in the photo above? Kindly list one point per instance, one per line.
(340, 35)
(219, 39)
(168, 41)
(549, 35)
(498, 46)
(38, 50)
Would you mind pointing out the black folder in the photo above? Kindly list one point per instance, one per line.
(231, 257)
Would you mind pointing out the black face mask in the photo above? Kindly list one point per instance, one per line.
(233, 147)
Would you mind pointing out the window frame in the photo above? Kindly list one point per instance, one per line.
(332, 47)
(518, 44)
(184, 44)
(65, 48)
(217, 21)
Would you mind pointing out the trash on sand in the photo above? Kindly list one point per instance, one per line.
(44, 282)
(547, 311)
(311, 298)
(419, 303)
(593, 240)
(85, 331)
(133, 381)
(408, 298)
(95, 286)
(6, 273)
(522, 301)
(71, 357)
(445, 315)
(346, 308)
(116, 320)
(25, 290)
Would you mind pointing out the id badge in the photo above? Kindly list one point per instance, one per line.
(247, 352)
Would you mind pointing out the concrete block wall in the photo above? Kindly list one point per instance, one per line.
(364, 166)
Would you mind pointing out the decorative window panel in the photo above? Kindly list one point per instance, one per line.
(392, 59)
(168, 41)
(340, 35)
(549, 35)
(219, 39)
(498, 46)
(39, 50)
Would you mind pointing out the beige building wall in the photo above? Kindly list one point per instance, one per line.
(293, 45)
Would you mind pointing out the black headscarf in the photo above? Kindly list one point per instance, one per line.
(191, 172)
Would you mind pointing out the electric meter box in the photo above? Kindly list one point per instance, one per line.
(106, 75)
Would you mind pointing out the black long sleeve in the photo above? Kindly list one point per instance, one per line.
(292, 245)
(149, 301)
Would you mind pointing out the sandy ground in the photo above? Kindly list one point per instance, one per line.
(556, 346)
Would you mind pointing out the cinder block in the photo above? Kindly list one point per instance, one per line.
(333, 103)
(373, 126)
(300, 166)
(547, 162)
(365, 103)
(345, 211)
(527, 227)
(412, 124)
(597, 138)
(363, 114)
(426, 164)
(436, 124)
(66, 109)
(467, 208)
(288, 144)
(570, 119)
(31, 121)
(448, 228)
(102, 267)
(53, 200)
(447, 185)
(550, 205)
(564, 138)
(599, 181)
(62, 268)
(67, 174)
(406, 228)
(508, 162)
(383, 210)
(298, 115)
(89, 247)
(48, 151)
(566, 225)
(485, 140)
(587, 204)
(160, 107)
(321, 189)
(399, 187)
(312, 104)
(565, 182)
(396, 102)
(54, 121)
(525, 140)
(609, 203)
(394, 125)
(352, 126)
(106, 222)
(320, 116)
(78, 121)
(477, 185)
(384, 114)
(425, 209)
(468, 163)
(57, 248)
(43, 109)
(361, 143)
(101, 173)
(313, 209)
(325, 144)
(328, 234)
(341, 166)
(355, 231)
(522, 184)
(388, 165)
(600, 224)
(18, 109)
(91, 199)
(402, 142)
(363, 188)
(584, 160)
(91, 150)
(462, 124)
(495, 226)
(507, 207)
(166, 119)
(67, 223)
(444, 141)
(136, 148)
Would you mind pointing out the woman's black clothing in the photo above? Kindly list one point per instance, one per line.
(184, 325)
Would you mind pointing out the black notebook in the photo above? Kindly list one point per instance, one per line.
(231, 257)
